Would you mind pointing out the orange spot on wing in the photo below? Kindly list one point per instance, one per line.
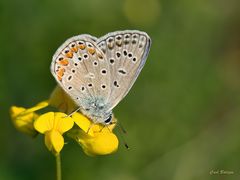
(69, 54)
(60, 73)
(82, 46)
(74, 49)
(99, 56)
(91, 51)
(64, 62)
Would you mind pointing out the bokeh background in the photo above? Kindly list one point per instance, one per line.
(183, 113)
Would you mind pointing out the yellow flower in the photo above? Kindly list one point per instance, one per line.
(53, 125)
(95, 139)
(23, 118)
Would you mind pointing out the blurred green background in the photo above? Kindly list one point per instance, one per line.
(183, 113)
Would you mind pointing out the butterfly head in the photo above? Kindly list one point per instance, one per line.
(103, 118)
(108, 120)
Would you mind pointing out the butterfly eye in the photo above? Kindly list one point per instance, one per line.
(108, 120)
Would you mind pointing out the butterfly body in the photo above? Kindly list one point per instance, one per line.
(98, 73)
(97, 109)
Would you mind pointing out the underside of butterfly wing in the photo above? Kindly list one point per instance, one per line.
(80, 68)
(126, 53)
(98, 73)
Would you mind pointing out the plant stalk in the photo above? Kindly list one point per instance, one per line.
(58, 167)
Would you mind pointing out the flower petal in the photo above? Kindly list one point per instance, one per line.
(15, 111)
(40, 105)
(101, 144)
(63, 122)
(23, 123)
(83, 122)
(54, 141)
(45, 122)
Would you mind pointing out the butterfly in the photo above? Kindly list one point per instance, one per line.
(97, 73)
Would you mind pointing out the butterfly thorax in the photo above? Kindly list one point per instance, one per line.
(96, 109)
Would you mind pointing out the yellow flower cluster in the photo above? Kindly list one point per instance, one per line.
(95, 139)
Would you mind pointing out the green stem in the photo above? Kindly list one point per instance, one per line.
(58, 166)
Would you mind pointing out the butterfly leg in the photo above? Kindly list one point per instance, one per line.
(105, 126)
(102, 128)
(91, 125)
(73, 112)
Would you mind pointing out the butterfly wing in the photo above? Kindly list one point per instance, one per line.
(126, 53)
(80, 68)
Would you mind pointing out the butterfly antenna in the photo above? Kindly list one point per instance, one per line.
(121, 131)
(122, 128)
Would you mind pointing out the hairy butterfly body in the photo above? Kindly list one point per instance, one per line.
(98, 73)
